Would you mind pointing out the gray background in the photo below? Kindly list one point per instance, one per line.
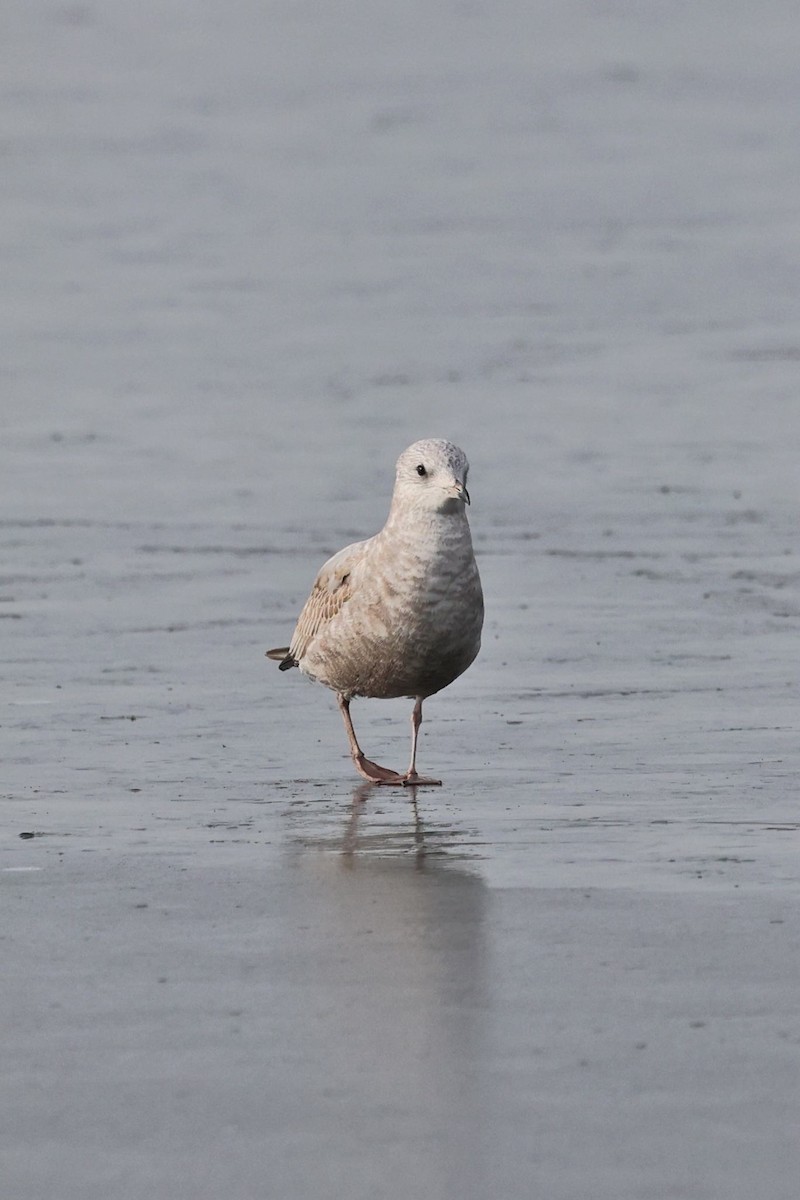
(249, 251)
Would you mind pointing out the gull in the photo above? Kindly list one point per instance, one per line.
(401, 613)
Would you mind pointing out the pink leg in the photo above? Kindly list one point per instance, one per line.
(411, 778)
(369, 770)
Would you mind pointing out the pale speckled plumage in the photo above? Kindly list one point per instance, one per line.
(399, 614)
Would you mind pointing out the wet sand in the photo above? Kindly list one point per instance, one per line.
(247, 260)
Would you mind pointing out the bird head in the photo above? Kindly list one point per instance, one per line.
(432, 475)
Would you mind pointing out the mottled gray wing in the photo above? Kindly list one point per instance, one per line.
(332, 589)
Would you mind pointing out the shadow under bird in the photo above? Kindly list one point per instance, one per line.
(401, 613)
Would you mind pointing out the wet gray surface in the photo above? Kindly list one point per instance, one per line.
(249, 252)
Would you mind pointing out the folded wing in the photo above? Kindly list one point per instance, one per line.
(332, 589)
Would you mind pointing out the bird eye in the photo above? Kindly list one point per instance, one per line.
(421, 471)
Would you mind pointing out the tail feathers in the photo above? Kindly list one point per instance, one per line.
(283, 656)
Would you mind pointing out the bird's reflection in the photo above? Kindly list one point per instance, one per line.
(399, 916)
(379, 824)
(351, 839)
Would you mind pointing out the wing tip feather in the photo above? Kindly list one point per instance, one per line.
(283, 656)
